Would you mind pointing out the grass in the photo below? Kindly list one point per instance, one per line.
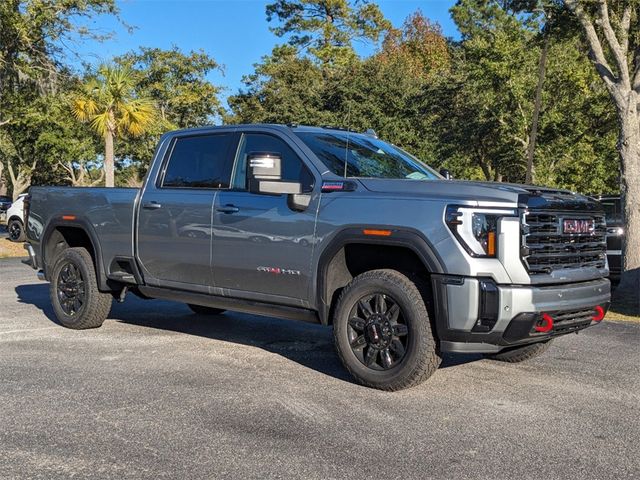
(11, 249)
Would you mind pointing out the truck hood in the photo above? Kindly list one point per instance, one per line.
(524, 195)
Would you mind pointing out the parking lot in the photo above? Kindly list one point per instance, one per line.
(159, 392)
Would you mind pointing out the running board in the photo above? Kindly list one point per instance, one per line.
(232, 304)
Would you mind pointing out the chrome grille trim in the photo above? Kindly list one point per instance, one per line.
(545, 248)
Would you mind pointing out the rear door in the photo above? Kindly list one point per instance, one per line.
(261, 246)
(174, 221)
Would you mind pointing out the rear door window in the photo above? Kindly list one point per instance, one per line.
(200, 161)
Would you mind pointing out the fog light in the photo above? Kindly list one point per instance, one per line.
(545, 324)
(599, 315)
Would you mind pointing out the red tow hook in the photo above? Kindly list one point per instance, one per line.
(599, 315)
(545, 324)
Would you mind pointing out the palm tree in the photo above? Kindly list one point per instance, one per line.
(109, 103)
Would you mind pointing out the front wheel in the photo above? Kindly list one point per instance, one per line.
(520, 354)
(74, 293)
(382, 331)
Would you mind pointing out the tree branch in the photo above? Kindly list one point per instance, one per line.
(625, 26)
(600, 61)
(619, 53)
(636, 75)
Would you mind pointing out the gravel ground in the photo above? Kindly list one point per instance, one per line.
(158, 392)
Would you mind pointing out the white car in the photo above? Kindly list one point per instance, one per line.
(15, 220)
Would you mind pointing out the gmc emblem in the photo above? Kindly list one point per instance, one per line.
(579, 225)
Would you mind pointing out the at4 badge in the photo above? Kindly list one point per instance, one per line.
(279, 271)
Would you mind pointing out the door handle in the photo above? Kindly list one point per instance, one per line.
(152, 205)
(228, 209)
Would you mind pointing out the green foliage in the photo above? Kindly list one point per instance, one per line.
(327, 28)
(32, 35)
(465, 105)
(177, 84)
(107, 101)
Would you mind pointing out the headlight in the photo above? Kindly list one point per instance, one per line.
(476, 228)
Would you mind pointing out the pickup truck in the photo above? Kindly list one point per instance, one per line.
(331, 226)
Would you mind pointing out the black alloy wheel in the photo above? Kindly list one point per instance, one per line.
(71, 289)
(16, 231)
(377, 332)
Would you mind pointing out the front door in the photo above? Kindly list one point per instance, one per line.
(260, 244)
(174, 223)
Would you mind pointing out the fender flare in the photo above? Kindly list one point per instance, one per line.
(412, 239)
(84, 225)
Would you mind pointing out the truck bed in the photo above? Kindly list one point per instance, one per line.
(109, 212)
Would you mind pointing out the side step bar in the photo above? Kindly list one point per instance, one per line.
(233, 304)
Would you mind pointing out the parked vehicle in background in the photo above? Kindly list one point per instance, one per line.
(335, 227)
(5, 203)
(614, 214)
(15, 220)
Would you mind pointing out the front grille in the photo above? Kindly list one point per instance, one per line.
(545, 248)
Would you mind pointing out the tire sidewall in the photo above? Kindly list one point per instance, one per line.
(415, 317)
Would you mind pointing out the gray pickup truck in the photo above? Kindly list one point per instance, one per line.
(336, 227)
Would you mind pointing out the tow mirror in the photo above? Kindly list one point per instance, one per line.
(265, 175)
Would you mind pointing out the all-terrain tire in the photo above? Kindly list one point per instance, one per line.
(520, 354)
(200, 310)
(74, 293)
(420, 358)
(16, 230)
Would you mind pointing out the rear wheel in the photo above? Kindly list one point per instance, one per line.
(74, 293)
(382, 331)
(16, 230)
(520, 354)
(200, 310)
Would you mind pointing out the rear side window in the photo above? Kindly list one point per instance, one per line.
(199, 162)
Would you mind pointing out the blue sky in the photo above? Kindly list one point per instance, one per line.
(234, 32)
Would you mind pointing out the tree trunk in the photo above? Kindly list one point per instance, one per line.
(629, 148)
(108, 159)
(3, 184)
(21, 181)
(533, 135)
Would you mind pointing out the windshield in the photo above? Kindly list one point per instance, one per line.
(613, 209)
(355, 155)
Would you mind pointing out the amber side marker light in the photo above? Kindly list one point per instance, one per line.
(377, 233)
(491, 244)
(68, 217)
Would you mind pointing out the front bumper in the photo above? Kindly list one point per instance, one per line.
(477, 316)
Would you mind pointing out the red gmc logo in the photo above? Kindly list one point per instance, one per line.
(579, 225)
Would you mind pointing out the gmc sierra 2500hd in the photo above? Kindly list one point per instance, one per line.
(336, 227)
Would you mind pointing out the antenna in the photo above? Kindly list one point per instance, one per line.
(346, 148)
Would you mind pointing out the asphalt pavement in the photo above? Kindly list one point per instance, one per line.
(159, 392)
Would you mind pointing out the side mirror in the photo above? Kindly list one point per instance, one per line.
(446, 173)
(265, 175)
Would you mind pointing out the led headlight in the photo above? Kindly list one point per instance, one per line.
(476, 228)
